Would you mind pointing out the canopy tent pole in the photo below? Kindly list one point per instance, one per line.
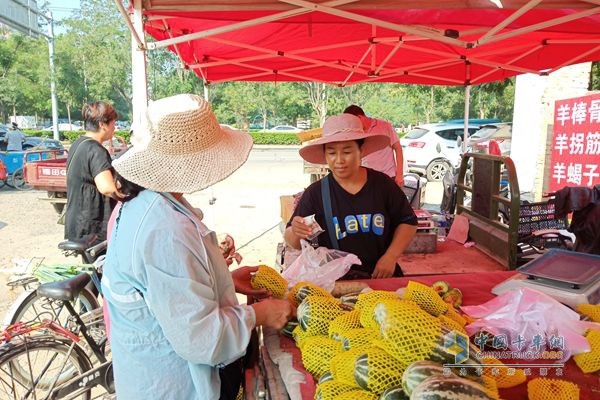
(139, 74)
(466, 130)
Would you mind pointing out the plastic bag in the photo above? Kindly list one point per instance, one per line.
(320, 266)
(526, 313)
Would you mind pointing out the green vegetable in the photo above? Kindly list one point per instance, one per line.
(441, 287)
(453, 297)
(59, 272)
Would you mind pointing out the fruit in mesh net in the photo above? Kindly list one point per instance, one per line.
(394, 393)
(331, 389)
(269, 279)
(357, 394)
(344, 323)
(410, 334)
(366, 303)
(555, 389)
(453, 297)
(303, 289)
(317, 353)
(426, 298)
(449, 388)
(315, 313)
(375, 370)
(358, 337)
(418, 371)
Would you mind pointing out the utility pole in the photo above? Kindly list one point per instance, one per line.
(50, 39)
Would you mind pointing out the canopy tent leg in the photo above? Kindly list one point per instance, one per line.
(139, 76)
(466, 127)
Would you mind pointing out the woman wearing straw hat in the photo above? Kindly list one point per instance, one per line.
(368, 214)
(177, 329)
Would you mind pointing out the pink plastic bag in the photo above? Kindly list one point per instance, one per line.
(320, 266)
(526, 313)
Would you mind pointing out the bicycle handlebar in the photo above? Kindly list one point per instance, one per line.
(97, 248)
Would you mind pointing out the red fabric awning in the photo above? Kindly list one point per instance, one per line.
(346, 42)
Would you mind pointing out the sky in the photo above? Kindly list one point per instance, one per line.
(62, 8)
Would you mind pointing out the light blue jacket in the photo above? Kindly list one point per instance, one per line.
(173, 311)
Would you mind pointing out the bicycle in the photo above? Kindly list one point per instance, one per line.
(52, 363)
(30, 306)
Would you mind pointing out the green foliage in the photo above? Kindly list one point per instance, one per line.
(275, 138)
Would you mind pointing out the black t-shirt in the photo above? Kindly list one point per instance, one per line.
(88, 210)
(364, 222)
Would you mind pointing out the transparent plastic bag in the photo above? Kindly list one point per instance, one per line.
(526, 313)
(320, 266)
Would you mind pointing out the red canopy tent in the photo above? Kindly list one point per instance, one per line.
(344, 42)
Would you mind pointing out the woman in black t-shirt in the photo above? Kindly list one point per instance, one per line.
(90, 183)
(370, 215)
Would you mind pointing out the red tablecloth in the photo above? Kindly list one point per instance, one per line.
(476, 289)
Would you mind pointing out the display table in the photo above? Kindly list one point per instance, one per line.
(476, 289)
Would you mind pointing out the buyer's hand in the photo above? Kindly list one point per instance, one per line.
(300, 228)
(241, 279)
(273, 313)
(384, 268)
(400, 181)
(227, 246)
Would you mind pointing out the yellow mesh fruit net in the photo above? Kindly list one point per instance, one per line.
(551, 389)
(375, 370)
(299, 336)
(426, 298)
(315, 313)
(506, 377)
(317, 353)
(590, 362)
(358, 337)
(590, 310)
(269, 279)
(367, 301)
(357, 395)
(490, 386)
(409, 333)
(455, 316)
(451, 324)
(342, 366)
(330, 389)
(303, 289)
(343, 323)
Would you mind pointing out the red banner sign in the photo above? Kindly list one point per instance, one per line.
(576, 143)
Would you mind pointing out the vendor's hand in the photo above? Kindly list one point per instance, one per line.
(384, 268)
(241, 280)
(273, 313)
(300, 228)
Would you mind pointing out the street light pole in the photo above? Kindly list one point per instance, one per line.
(50, 39)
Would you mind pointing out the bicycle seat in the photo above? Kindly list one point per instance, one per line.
(80, 245)
(66, 290)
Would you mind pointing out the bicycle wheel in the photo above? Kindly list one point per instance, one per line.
(32, 367)
(30, 306)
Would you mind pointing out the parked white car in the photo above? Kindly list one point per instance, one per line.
(66, 127)
(433, 149)
(285, 129)
(479, 142)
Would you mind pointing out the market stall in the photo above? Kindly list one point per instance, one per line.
(476, 288)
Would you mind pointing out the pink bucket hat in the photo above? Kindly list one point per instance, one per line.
(342, 128)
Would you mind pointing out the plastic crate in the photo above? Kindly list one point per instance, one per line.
(537, 216)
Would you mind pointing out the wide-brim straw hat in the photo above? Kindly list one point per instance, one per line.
(343, 128)
(180, 147)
